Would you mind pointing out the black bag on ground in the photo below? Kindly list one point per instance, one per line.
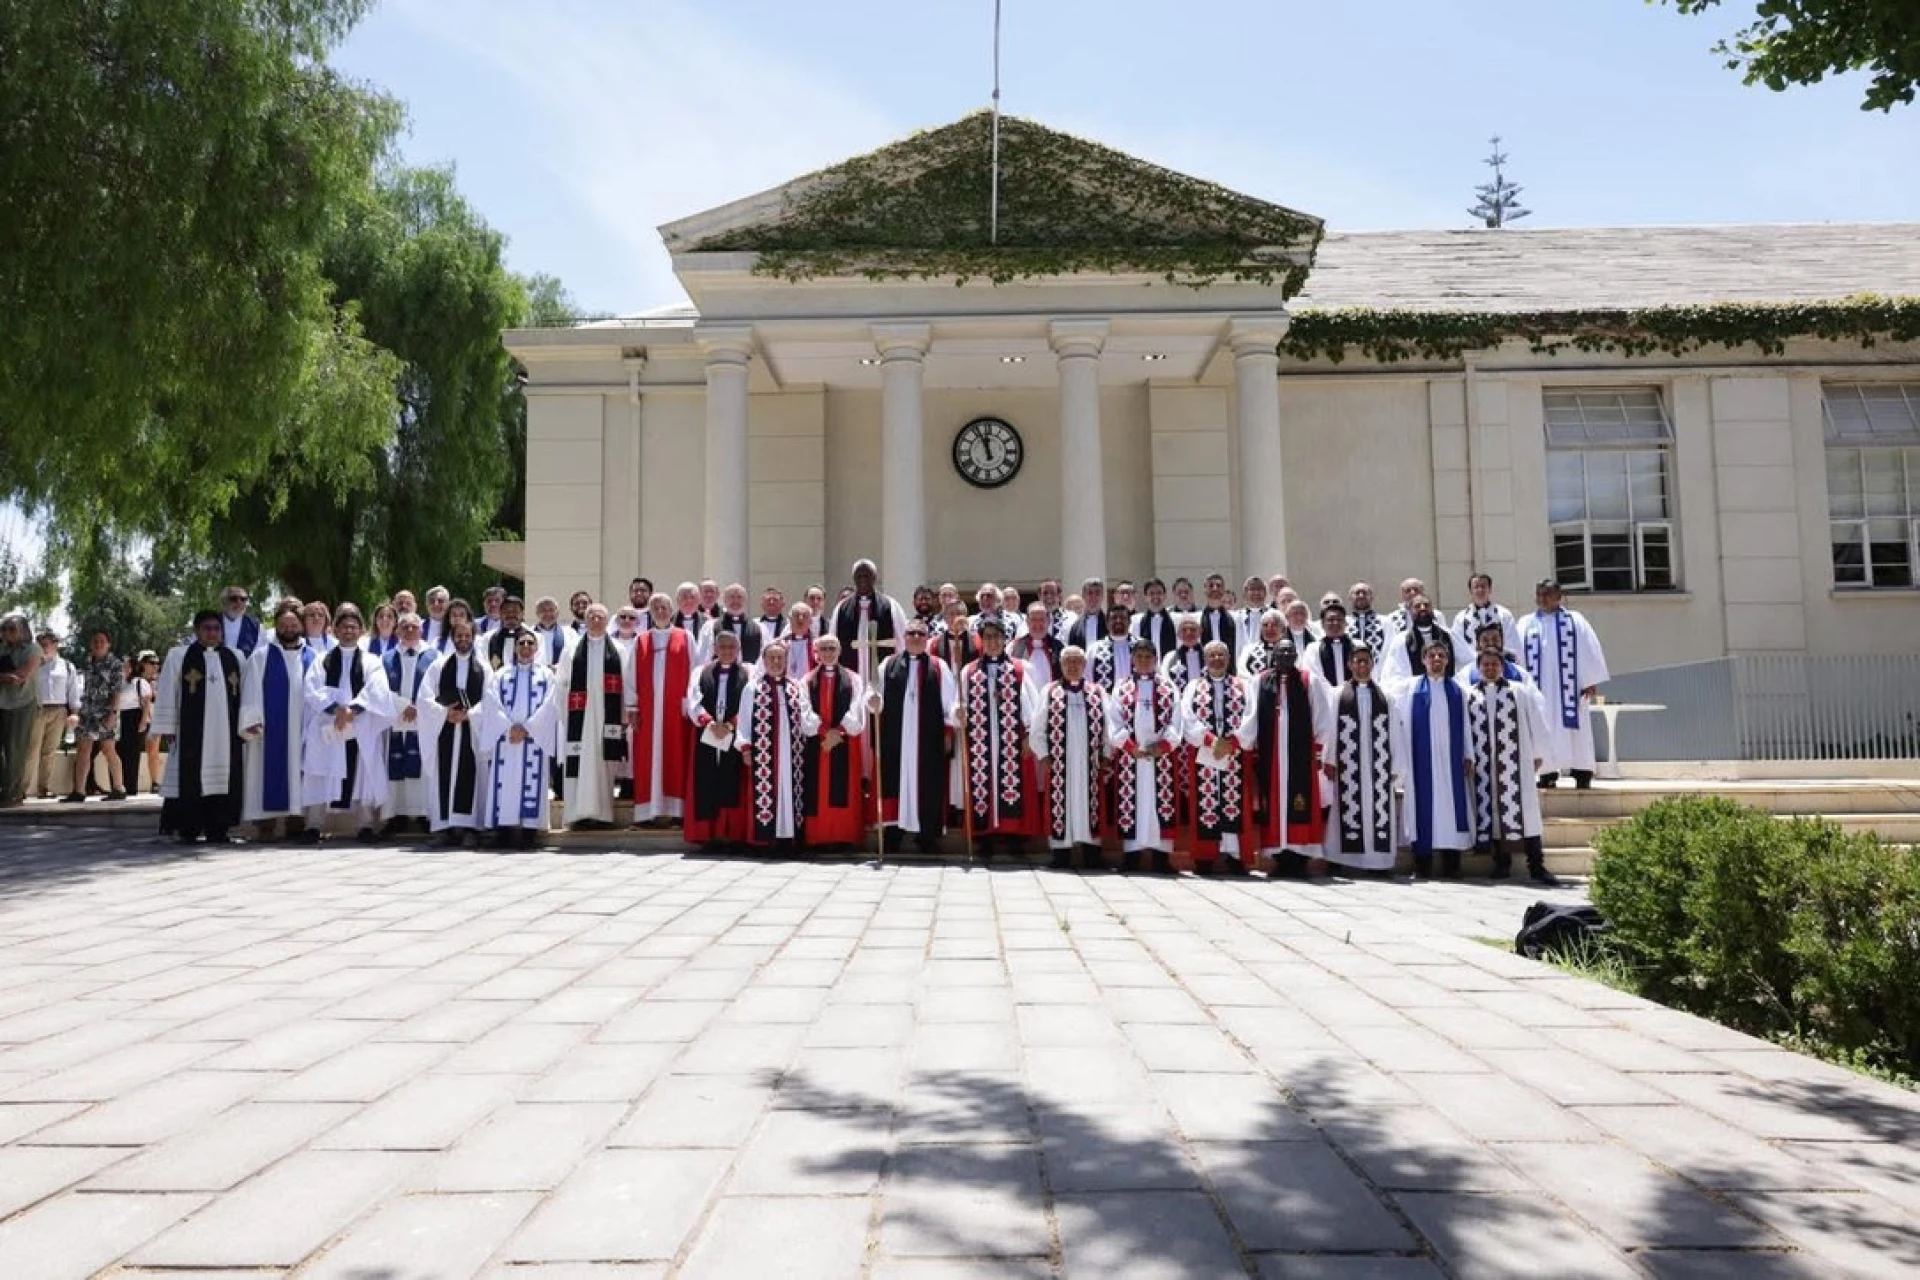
(1559, 929)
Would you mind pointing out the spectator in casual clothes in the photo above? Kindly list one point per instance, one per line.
(130, 726)
(146, 670)
(19, 706)
(59, 692)
(100, 680)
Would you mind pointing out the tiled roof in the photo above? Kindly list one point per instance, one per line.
(1611, 267)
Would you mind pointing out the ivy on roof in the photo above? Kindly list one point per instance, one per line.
(1391, 336)
(918, 209)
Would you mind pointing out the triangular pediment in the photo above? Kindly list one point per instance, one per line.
(920, 208)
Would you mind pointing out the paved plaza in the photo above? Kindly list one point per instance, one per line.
(390, 1064)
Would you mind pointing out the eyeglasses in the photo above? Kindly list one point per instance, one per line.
(238, 599)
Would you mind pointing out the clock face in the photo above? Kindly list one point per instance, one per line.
(988, 452)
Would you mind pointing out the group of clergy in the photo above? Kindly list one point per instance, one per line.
(1228, 731)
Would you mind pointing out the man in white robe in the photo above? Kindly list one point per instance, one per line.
(517, 732)
(1111, 656)
(275, 696)
(1069, 739)
(596, 703)
(200, 704)
(1483, 611)
(349, 707)
(1329, 656)
(869, 625)
(1561, 652)
(916, 701)
(1506, 724)
(1143, 729)
(1366, 763)
(454, 768)
(1252, 607)
(1363, 624)
(1405, 654)
(1401, 618)
(1268, 633)
(407, 665)
(797, 640)
(774, 721)
(1437, 815)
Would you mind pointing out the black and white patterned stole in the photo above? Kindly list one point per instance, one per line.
(1363, 755)
(1493, 717)
(1093, 699)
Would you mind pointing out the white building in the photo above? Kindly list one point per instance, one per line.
(1755, 488)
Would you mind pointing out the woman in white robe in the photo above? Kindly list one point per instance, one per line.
(516, 731)
(1367, 762)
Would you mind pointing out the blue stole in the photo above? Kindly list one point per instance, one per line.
(1423, 760)
(380, 648)
(533, 760)
(403, 745)
(1566, 643)
(276, 700)
(1512, 673)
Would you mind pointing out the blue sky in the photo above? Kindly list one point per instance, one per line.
(578, 126)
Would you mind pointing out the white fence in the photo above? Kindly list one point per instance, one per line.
(1864, 707)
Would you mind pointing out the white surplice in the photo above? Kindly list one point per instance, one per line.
(589, 796)
(280, 751)
(910, 713)
(407, 797)
(1142, 732)
(216, 729)
(325, 760)
(1369, 756)
(523, 696)
(1082, 758)
(464, 745)
(1563, 655)
(786, 823)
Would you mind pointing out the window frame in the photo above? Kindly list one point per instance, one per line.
(1637, 526)
(1899, 446)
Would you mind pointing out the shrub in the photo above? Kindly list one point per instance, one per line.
(1783, 928)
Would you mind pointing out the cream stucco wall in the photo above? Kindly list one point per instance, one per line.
(1385, 473)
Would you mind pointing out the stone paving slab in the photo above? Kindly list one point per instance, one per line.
(402, 1062)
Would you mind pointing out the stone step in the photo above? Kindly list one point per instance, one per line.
(1895, 828)
(1832, 797)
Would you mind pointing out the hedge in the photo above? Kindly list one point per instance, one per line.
(1779, 928)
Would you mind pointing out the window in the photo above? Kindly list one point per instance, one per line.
(1873, 482)
(1609, 489)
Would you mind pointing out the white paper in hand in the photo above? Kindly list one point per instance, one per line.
(717, 736)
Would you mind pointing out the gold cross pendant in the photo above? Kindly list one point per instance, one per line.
(192, 680)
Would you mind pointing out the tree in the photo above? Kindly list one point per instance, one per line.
(170, 171)
(1499, 200)
(1798, 42)
(424, 275)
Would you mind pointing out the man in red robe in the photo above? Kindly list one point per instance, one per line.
(1289, 728)
(836, 803)
(662, 736)
(1000, 795)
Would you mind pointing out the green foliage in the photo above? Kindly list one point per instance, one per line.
(918, 209)
(1391, 336)
(1797, 42)
(169, 171)
(137, 611)
(1780, 928)
(424, 274)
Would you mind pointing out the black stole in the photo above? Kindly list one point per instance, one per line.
(717, 774)
(1333, 663)
(613, 735)
(458, 765)
(956, 651)
(838, 762)
(1299, 744)
(193, 723)
(846, 624)
(751, 636)
(931, 733)
(1359, 792)
(1221, 625)
(356, 681)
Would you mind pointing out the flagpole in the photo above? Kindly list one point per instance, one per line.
(993, 207)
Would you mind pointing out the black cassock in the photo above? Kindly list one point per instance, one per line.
(929, 736)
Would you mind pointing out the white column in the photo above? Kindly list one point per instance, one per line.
(903, 501)
(1256, 373)
(727, 350)
(1083, 518)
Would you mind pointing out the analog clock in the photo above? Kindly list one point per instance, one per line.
(988, 452)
